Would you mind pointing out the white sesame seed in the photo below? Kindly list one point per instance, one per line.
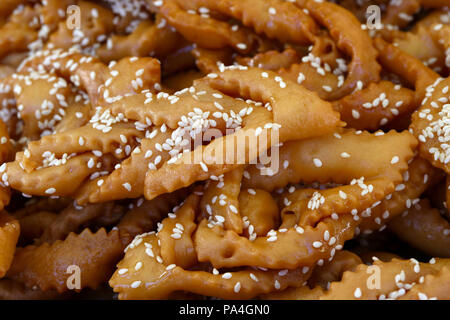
(253, 277)
(50, 191)
(317, 162)
(122, 271)
(204, 167)
(317, 244)
(395, 160)
(277, 285)
(227, 275)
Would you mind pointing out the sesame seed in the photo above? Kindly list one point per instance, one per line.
(253, 277)
(317, 162)
(277, 285)
(395, 160)
(317, 244)
(50, 191)
(122, 271)
(204, 167)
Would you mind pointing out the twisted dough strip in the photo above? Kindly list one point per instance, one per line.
(165, 109)
(227, 249)
(320, 279)
(145, 214)
(102, 83)
(289, 24)
(209, 60)
(18, 32)
(9, 234)
(426, 41)
(418, 178)
(208, 33)
(333, 270)
(310, 109)
(92, 27)
(270, 60)
(321, 69)
(396, 13)
(42, 100)
(238, 82)
(53, 180)
(81, 140)
(45, 266)
(433, 286)
(429, 124)
(291, 248)
(157, 280)
(287, 111)
(342, 158)
(359, 111)
(353, 41)
(398, 277)
(74, 67)
(77, 115)
(260, 209)
(157, 38)
(324, 83)
(295, 246)
(127, 179)
(230, 188)
(424, 228)
(149, 152)
(178, 248)
(412, 70)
